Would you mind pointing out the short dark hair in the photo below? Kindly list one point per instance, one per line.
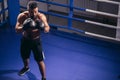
(32, 5)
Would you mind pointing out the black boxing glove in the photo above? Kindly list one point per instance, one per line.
(28, 23)
(39, 24)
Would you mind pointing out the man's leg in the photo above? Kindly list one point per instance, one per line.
(25, 68)
(41, 65)
(39, 57)
(25, 53)
(26, 63)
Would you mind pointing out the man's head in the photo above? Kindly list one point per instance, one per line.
(33, 9)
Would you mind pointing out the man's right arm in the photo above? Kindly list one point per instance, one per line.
(18, 27)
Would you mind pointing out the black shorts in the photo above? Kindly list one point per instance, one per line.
(28, 45)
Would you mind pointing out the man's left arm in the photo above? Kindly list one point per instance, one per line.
(46, 25)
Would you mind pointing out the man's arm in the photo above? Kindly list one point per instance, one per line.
(18, 27)
(44, 20)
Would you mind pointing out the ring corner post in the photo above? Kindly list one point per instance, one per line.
(71, 5)
(13, 11)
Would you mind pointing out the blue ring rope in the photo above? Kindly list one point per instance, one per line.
(63, 5)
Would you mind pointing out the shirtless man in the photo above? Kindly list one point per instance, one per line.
(29, 24)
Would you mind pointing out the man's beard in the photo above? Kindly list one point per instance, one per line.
(33, 17)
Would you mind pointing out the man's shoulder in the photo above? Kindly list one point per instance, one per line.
(23, 14)
(41, 14)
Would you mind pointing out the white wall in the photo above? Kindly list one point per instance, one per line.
(59, 8)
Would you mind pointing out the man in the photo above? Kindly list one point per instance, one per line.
(29, 24)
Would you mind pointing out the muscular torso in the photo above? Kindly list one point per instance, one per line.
(30, 33)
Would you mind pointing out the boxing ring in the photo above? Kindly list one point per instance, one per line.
(68, 56)
(70, 17)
